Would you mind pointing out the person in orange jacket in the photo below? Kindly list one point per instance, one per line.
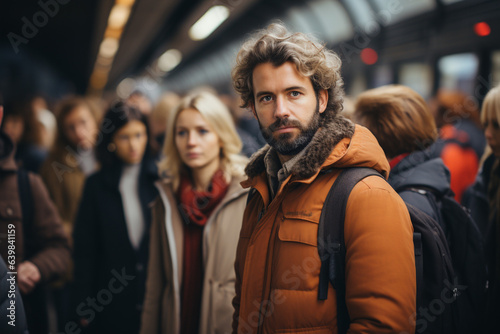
(292, 84)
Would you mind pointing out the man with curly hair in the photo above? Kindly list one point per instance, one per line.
(292, 85)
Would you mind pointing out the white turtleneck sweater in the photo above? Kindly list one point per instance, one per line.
(129, 190)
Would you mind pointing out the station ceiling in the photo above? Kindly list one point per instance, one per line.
(64, 36)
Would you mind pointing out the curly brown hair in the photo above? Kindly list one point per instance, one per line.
(276, 45)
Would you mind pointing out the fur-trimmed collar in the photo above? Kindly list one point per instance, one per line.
(315, 154)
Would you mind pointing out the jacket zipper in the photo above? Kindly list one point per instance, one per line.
(261, 214)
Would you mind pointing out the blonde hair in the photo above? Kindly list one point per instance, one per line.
(398, 117)
(491, 106)
(277, 46)
(219, 118)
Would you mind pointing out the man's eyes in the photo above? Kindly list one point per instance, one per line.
(266, 98)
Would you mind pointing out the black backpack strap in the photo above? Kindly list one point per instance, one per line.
(26, 199)
(418, 249)
(331, 245)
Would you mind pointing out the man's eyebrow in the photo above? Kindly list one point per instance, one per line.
(295, 88)
(286, 90)
(263, 93)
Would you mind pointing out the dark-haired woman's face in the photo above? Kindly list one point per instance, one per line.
(131, 141)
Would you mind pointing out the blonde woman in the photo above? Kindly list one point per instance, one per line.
(196, 222)
(483, 200)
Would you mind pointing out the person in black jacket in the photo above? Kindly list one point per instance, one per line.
(111, 234)
(404, 126)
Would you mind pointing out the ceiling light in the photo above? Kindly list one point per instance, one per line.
(169, 60)
(127, 3)
(104, 61)
(118, 16)
(210, 21)
(108, 47)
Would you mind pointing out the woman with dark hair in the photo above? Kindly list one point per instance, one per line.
(111, 234)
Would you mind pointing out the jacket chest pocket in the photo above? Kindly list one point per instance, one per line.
(299, 229)
(297, 261)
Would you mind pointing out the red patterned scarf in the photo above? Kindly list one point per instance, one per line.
(196, 207)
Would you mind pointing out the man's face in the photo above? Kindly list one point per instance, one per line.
(286, 107)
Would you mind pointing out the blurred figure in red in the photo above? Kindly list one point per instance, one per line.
(461, 142)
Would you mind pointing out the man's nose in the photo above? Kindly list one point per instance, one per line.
(281, 108)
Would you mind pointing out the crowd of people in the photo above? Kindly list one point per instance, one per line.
(186, 216)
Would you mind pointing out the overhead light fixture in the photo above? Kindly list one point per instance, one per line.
(128, 3)
(169, 60)
(210, 21)
(117, 19)
(108, 47)
(104, 61)
(118, 16)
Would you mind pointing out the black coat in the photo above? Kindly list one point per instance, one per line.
(11, 304)
(475, 198)
(110, 274)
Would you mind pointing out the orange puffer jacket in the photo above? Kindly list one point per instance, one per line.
(277, 262)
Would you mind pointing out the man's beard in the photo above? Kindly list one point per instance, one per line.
(283, 144)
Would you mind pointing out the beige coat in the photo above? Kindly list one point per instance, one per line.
(64, 182)
(161, 312)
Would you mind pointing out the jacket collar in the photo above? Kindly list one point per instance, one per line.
(7, 161)
(315, 154)
(112, 174)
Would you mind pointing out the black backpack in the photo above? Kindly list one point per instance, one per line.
(466, 246)
(451, 281)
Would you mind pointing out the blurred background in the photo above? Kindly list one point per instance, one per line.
(109, 48)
